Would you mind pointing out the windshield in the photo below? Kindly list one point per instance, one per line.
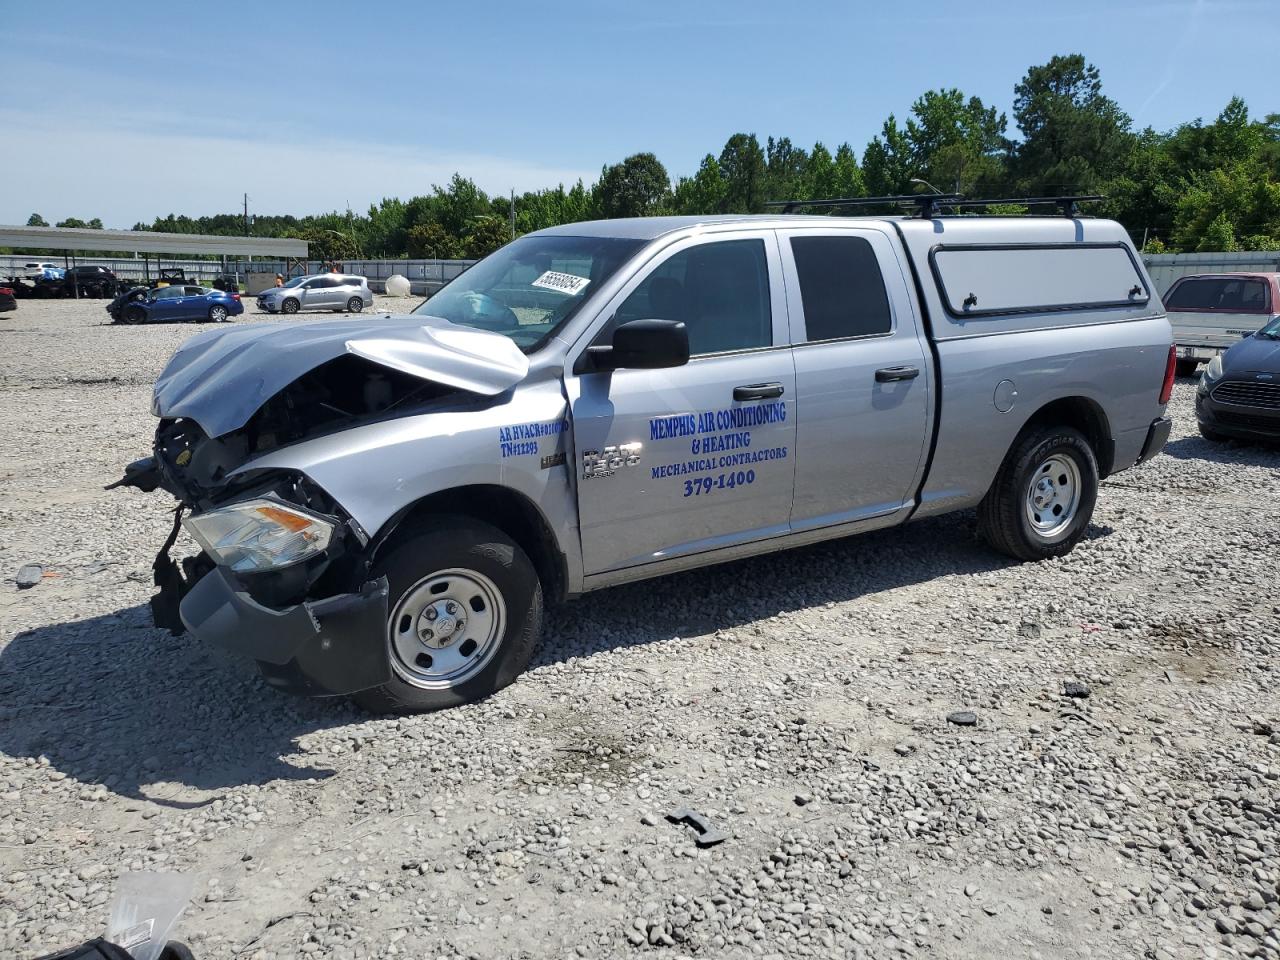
(1271, 331)
(295, 281)
(530, 287)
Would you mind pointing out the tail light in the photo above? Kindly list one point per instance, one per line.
(235, 296)
(1169, 367)
(6, 290)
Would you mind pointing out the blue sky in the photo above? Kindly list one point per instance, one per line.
(128, 111)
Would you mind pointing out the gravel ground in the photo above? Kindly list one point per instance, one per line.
(799, 701)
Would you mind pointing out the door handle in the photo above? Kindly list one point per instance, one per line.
(891, 374)
(757, 391)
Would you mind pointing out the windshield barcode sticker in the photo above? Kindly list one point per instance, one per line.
(561, 282)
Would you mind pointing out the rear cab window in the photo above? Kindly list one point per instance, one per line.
(1219, 295)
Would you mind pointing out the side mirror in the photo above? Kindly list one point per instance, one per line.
(643, 345)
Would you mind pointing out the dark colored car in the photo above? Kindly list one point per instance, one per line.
(7, 300)
(179, 302)
(1239, 392)
(90, 281)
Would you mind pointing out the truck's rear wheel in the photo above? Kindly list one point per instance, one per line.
(465, 612)
(1043, 497)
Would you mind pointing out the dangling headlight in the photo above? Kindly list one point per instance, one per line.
(259, 535)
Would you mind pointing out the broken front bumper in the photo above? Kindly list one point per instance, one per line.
(323, 647)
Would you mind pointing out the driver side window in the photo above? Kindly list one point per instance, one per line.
(719, 290)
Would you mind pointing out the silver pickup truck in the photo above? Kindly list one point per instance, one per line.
(384, 506)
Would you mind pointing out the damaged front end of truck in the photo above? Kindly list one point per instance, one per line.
(283, 572)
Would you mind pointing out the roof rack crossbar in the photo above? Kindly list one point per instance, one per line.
(928, 204)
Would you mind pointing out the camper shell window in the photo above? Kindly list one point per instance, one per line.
(986, 280)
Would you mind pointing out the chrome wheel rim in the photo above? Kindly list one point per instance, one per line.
(355, 304)
(1053, 496)
(446, 628)
(219, 313)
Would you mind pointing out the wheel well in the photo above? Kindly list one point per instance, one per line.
(1087, 417)
(512, 513)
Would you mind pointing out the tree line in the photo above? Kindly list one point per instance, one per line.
(1200, 186)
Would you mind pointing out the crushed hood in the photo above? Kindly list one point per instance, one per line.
(220, 378)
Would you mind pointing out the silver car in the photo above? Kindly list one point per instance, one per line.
(383, 509)
(322, 291)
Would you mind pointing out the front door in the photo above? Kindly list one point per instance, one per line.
(683, 460)
(862, 373)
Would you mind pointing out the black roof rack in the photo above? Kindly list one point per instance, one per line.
(928, 204)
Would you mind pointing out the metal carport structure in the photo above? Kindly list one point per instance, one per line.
(147, 242)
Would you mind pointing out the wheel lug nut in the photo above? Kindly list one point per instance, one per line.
(431, 613)
(451, 607)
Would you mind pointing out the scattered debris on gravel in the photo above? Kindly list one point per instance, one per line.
(1141, 820)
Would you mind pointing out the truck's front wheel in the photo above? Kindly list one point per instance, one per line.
(1043, 497)
(465, 614)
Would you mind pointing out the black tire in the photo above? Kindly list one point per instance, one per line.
(418, 556)
(1005, 517)
(355, 305)
(217, 313)
(1213, 436)
(1186, 368)
(290, 305)
(134, 314)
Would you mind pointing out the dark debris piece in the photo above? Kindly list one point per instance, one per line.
(706, 835)
(1074, 688)
(29, 575)
(963, 718)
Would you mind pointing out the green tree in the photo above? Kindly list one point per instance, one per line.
(703, 193)
(956, 144)
(35, 220)
(785, 166)
(636, 187)
(848, 175)
(385, 230)
(486, 235)
(328, 245)
(887, 163)
(433, 242)
(95, 224)
(1074, 137)
(454, 207)
(742, 165)
(73, 222)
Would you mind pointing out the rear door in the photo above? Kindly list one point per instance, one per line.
(1218, 311)
(687, 459)
(862, 376)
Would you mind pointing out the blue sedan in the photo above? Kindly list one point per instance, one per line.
(177, 302)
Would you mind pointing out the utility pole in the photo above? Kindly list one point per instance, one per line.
(246, 214)
(513, 213)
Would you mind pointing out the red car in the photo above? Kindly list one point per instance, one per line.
(7, 300)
